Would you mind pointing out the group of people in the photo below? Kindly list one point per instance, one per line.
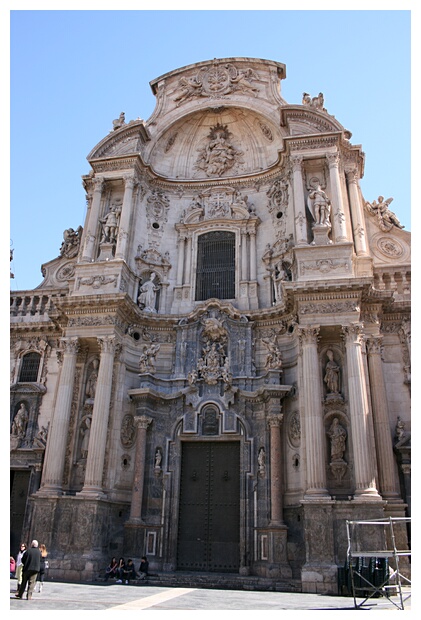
(125, 572)
(29, 567)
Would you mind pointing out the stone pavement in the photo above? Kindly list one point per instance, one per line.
(101, 596)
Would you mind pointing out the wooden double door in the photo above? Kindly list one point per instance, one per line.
(209, 509)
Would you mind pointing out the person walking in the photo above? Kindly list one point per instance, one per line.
(31, 561)
(19, 565)
(43, 567)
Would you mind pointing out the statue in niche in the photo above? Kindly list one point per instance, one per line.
(158, 460)
(332, 374)
(92, 380)
(71, 240)
(337, 435)
(261, 462)
(148, 358)
(147, 296)
(110, 224)
(273, 359)
(218, 155)
(319, 204)
(385, 218)
(85, 431)
(278, 276)
(20, 422)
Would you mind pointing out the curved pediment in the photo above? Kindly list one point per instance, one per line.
(303, 120)
(125, 140)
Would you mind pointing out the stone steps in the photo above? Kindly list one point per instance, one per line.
(219, 581)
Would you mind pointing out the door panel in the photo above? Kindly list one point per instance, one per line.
(209, 514)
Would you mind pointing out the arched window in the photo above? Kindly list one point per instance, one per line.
(215, 273)
(29, 368)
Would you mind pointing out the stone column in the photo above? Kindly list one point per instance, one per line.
(276, 508)
(299, 201)
(244, 273)
(123, 232)
(57, 436)
(359, 414)
(180, 265)
(358, 222)
(142, 422)
(388, 483)
(338, 215)
(99, 425)
(313, 415)
(92, 224)
(253, 257)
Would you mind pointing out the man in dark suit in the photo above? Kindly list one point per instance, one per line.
(31, 561)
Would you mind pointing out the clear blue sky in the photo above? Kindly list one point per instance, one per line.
(72, 72)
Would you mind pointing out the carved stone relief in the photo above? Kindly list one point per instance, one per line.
(219, 155)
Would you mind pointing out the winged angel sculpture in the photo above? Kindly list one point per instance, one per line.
(386, 219)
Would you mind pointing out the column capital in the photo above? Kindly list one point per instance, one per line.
(129, 181)
(333, 160)
(308, 334)
(142, 421)
(274, 420)
(108, 344)
(351, 175)
(296, 161)
(374, 345)
(70, 345)
(353, 333)
(98, 184)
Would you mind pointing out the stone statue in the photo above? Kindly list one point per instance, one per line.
(158, 458)
(337, 435)
(261, 461)
(86, 433)
(273, 360)
(20, 422)
(71, 241)
(147, 297)
(119, 122)
(314, 102)
(385, 218)
(219, 155)
(319, 205)
(401, 436)
(41, 437)
(148, 358)
(110, 224)
(92, 380)
(332, 372)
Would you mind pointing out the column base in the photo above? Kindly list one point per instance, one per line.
(92, 493)
(49, 491)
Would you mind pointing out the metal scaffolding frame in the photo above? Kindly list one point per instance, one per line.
(373, 543)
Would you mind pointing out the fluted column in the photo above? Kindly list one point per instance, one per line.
(276, 507)
(123, 232)
(100, 414)
(299, 201)
(313, 414)
(92, 224)
(358, 222)
(388, 483)
(142, 422)
(338, 215)
(57, 437)
(180, 265)
(359, 414)
(244, 272)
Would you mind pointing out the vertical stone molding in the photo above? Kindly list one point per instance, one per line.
(123, 233)
(365, 487)
(92, 224)
(299, 201)
(253, 257)
(58, 433)
(276, 508)
(244, 271)
(187, 273)
(142, 422)
(180, 265)
(312, 413)
(388, 483)
(358, 222)
(338, 215)
(100, 414)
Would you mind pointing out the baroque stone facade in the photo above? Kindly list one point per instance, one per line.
(215, 370)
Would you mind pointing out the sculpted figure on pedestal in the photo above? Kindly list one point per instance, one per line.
(332, 371)
(110, 224)
(20, 422)
(337, 435)
(71, 241)
(319, 205)
(147, 297)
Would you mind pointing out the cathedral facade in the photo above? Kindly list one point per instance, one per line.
(215, 369)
